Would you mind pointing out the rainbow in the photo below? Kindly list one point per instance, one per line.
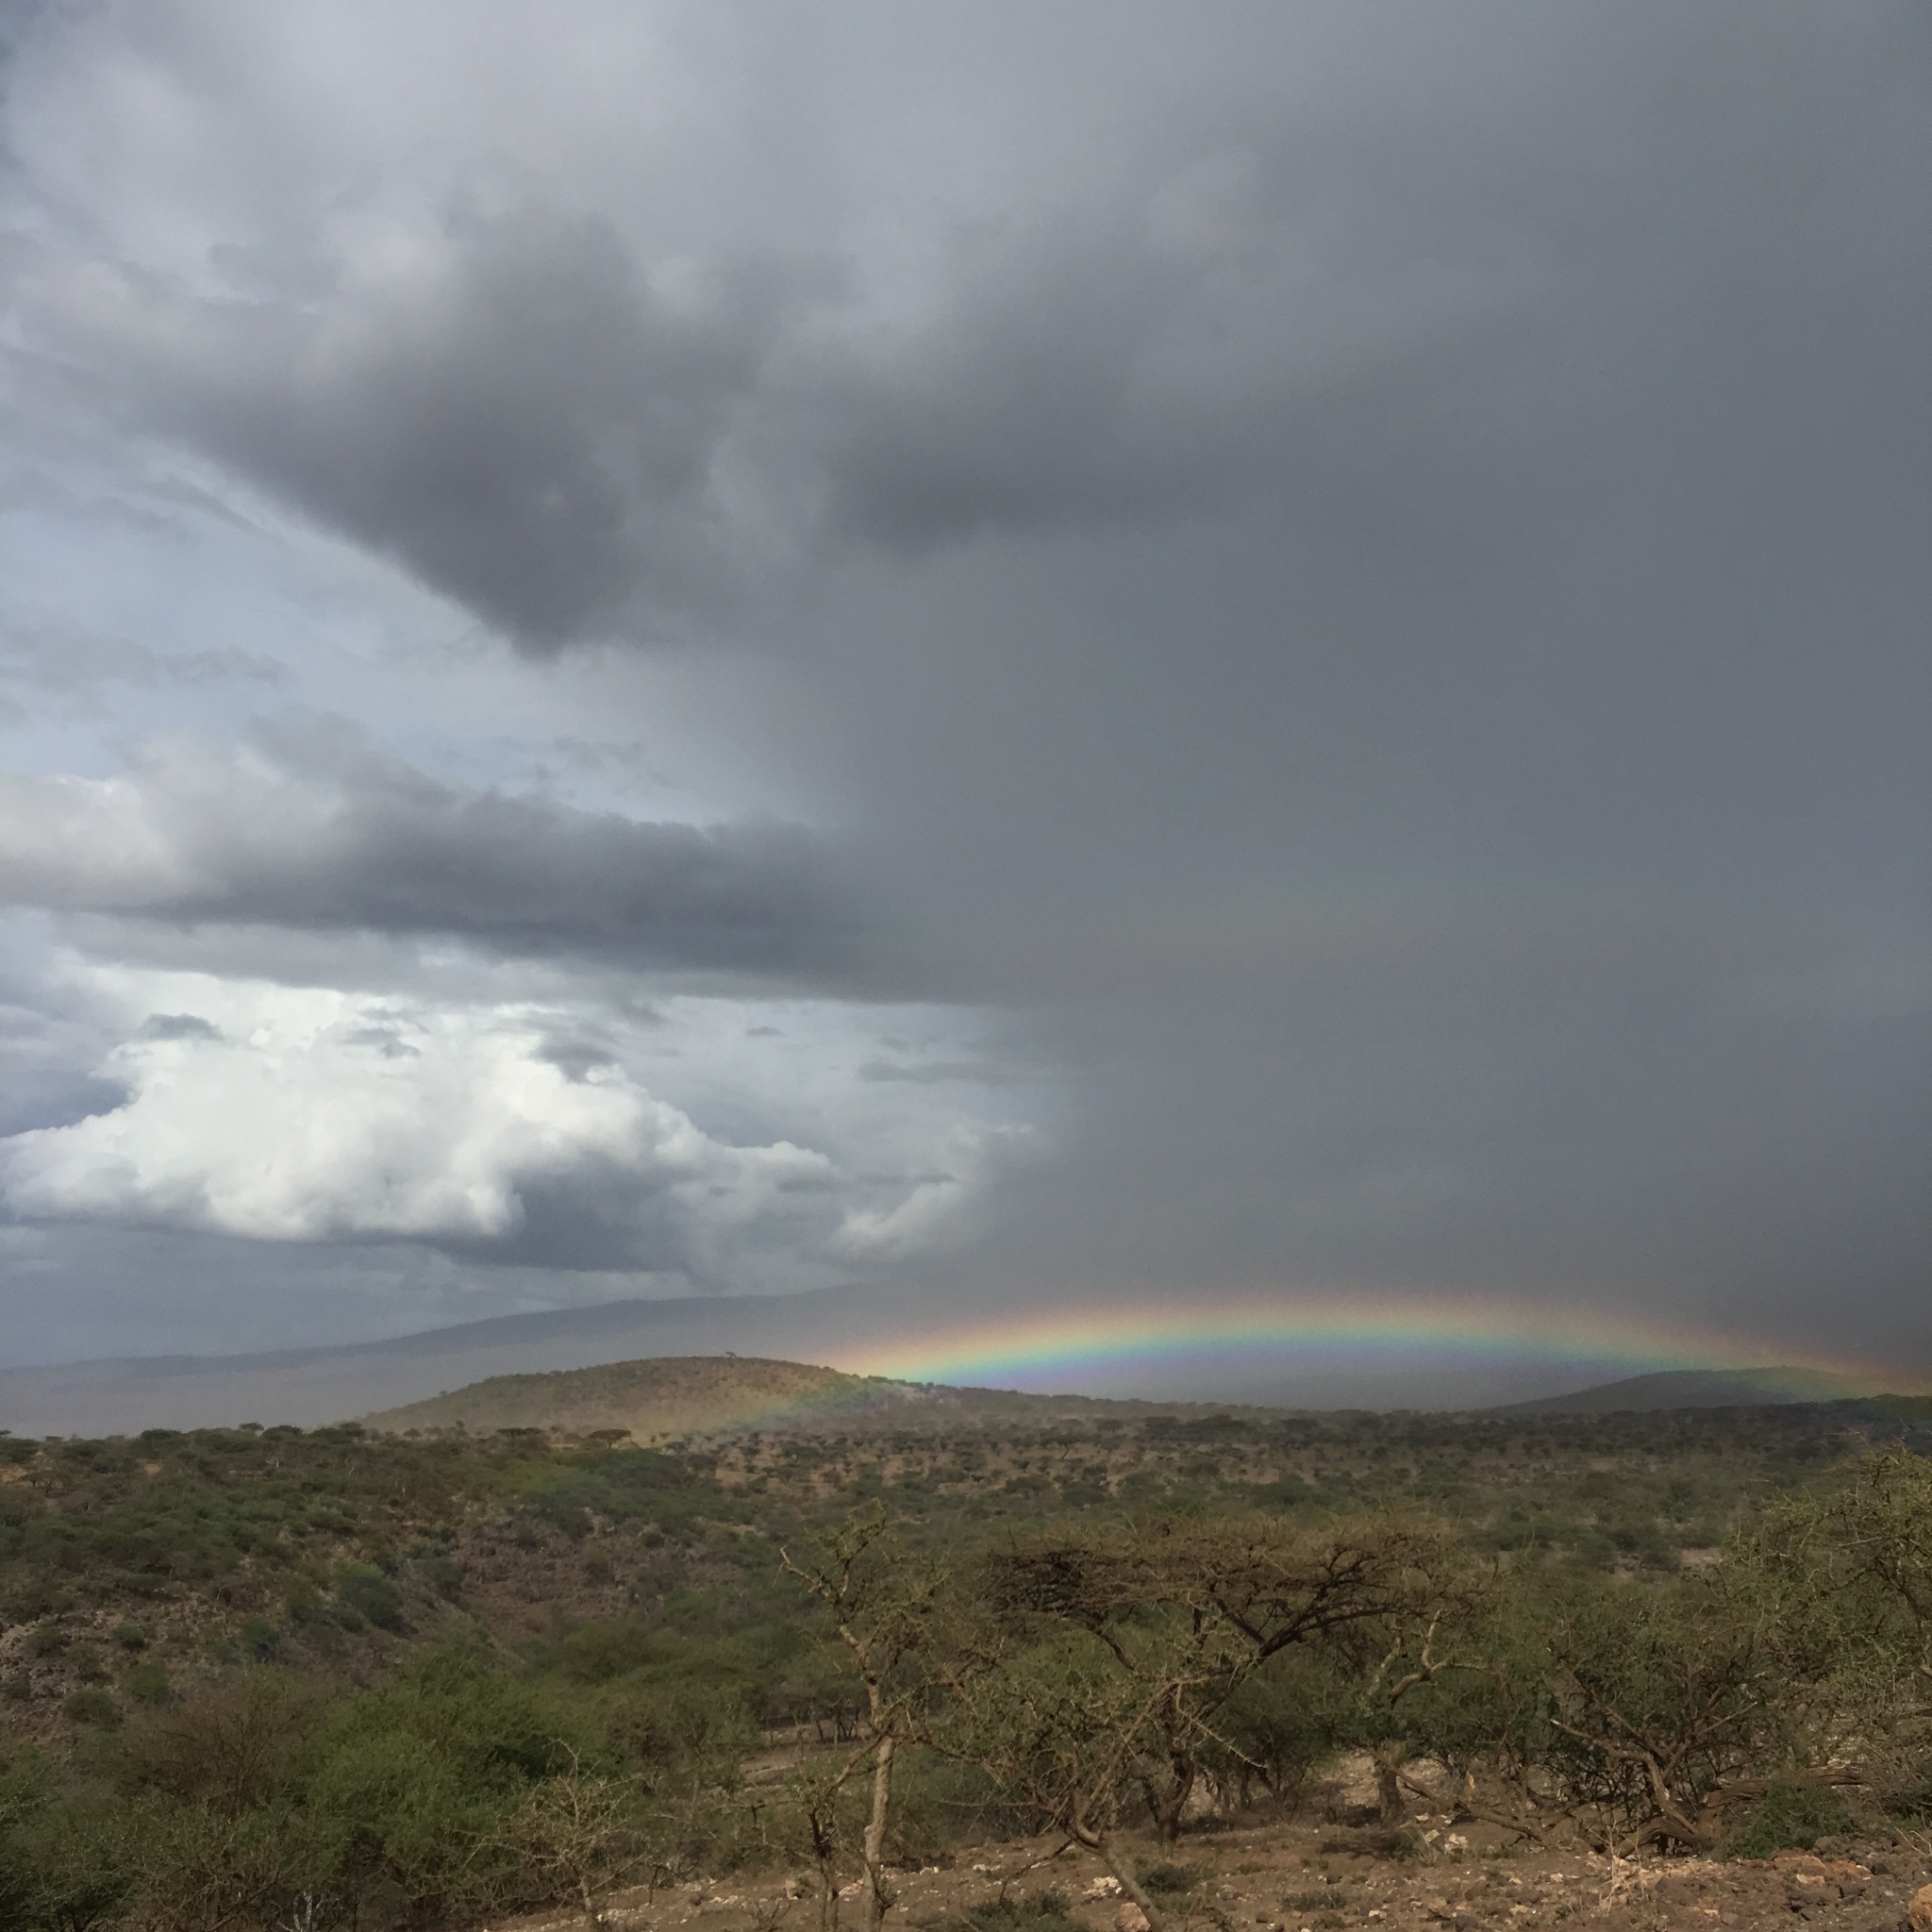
(1136, 1341)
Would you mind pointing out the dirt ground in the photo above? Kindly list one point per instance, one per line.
(1324, 1878)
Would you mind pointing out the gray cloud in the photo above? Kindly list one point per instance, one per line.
(1397, 781)
(74, 667)
(178, 1027)
(576, 437)
(935, 1073)
(510, 410)
(338, 838)
(1361, 572)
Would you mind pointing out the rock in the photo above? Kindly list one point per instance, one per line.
(1811, 1880)
(1919, 1912)
(1130, 1917)
(1354, 1795)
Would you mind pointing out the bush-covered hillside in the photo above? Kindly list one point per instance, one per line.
(414, 1680)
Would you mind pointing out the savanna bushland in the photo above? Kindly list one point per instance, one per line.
(269, 1678)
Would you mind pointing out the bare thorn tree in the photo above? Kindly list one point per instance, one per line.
(883, 1612)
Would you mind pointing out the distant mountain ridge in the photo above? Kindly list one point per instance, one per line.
(311, 1386)
(1698, 1389)
(661, 1399)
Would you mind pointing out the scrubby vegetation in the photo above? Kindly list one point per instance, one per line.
(267, 1677)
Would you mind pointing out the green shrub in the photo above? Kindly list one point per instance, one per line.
(1791, 1817)
(130, 1637)
(146, 1683)
(1397, 1841)
(92, 1706)
(417, 1784)
(1045, 1911)
(258, 1638)
(1171, 1881)
(303, 1602)
(228, 1749)
(597, 1653)
(1913, 1805)
(68, 1859)
(370, 1595)
(445, 1576)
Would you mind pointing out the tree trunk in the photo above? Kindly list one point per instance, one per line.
(1168, 1807)
(825, 1851)
(878, 1895)
(1117, 1862)
(1388, 1758)
(1122, 1867)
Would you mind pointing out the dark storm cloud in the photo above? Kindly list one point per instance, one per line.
(511, 411)
(512, 405)
(1682, 231)
(1456, 795)
(1373, 592)
(340, 838)
(1364, 319)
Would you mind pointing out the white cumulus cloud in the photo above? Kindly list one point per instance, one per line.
(307, 1114)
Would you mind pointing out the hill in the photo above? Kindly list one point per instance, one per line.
(668, 1398)
(308, 1386)
(1698, 1389)
(655, 1401)
(215, 1646)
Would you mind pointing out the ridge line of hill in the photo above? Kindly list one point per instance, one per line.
(658, 1399)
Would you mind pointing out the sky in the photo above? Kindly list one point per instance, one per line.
(1040, 651)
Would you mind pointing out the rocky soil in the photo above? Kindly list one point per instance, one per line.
(1322, 1878)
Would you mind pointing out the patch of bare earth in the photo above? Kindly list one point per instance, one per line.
(1320, 1878)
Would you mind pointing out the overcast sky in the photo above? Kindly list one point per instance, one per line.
(651, 649)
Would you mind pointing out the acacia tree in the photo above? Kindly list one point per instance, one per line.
(1104, 1660)
(1198, 1606)
(884, 1613)
(1060, 1732)
(1662, 1700)
(1843, 1582)
(577, 1829)
(1869, 1544)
